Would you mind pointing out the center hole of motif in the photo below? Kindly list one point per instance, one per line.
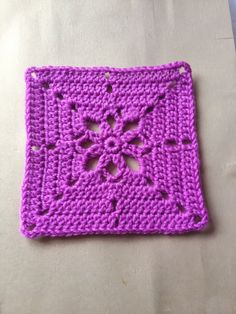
(112, 145)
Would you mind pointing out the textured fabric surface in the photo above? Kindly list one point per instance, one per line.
(188, 274)
(111, 151)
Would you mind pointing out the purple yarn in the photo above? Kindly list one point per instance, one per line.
(85, 125)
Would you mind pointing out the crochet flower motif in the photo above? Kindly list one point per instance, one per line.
(111, 151)
(112, 145)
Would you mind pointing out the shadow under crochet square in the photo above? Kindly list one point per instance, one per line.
(111, 151)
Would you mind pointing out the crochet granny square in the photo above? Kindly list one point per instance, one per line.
(111, 151)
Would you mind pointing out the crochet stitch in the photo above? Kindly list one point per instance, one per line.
(111, 151)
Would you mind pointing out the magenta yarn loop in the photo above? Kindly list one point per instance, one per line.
(111, 151)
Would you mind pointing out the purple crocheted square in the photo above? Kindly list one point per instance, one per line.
(111, 151)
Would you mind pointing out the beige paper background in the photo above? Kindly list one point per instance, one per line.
(192, 274)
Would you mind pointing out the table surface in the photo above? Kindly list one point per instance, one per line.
(232, 6)
(190, 274)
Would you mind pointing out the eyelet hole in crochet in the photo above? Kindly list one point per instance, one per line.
(35, 148)
(197, 219)
(109, 88)
(93, 126)
(162, 96)
(34, 75)
(43, 212)
(73, 106)
(181, 70)
(58, 197)
(86, 144)
(180, 207)
(164, 194)
(114, 204)
(136, 141)
(107, 75)
(111, 121)
(72, 182)
(31, 227)
(51, 146)
(186, 141)
(171, 142)
(119, 111)
(116, 222)
(131, 162)
(130, 125)
(112, 168)
(149, 181)
(59, 95)
(172, 84)
(149, 109)
(91, 163)
(45, 85)
(147, 150)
